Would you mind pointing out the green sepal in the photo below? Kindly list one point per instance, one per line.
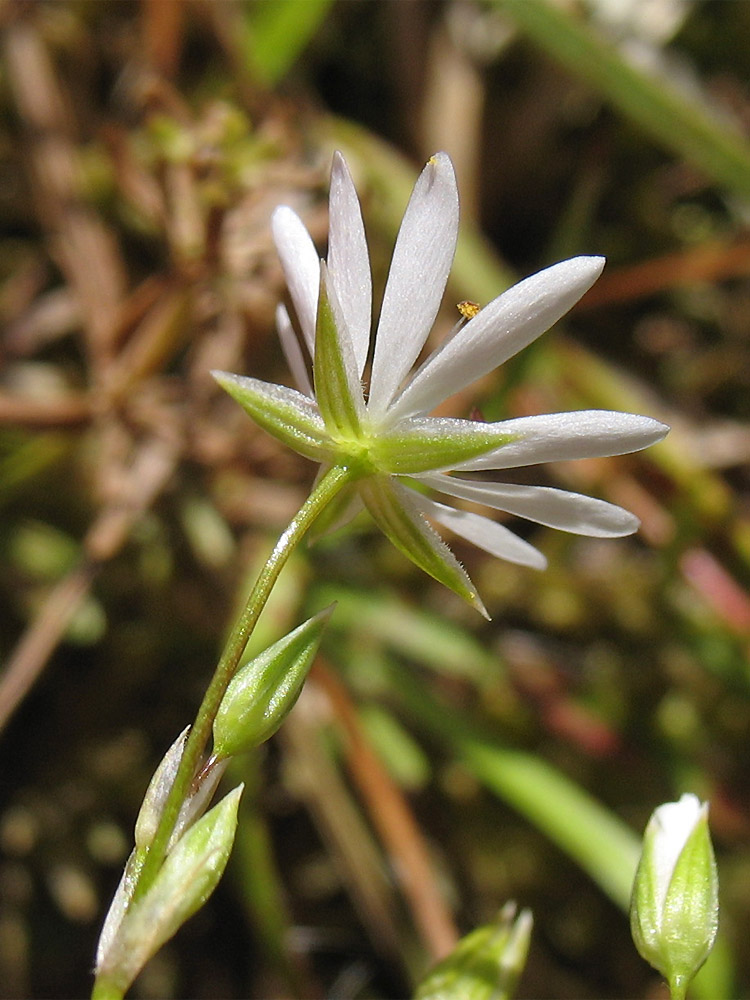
(422, 444)
(484, 965)
(286, 414)
(120, 903)
(337, 386)
(263, 691)
(398, 518)
(187, 878)
(691, 909)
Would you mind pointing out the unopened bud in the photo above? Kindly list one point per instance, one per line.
(185, 881)
(486, 964)
(194, 805)
(157, 792)
(674, 909)
(263, 692)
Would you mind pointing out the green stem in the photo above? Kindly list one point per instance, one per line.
(678, 987)
(104, 989)
(327, 488)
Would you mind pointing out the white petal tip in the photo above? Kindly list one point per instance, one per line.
(282, 212)
(660, 430)
(439, 169)
(582, 271)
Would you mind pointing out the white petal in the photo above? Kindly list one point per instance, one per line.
(301, 265)
(554, 508)
(292, 351)
(500, 330)
(485, 534)
(419, 271)
(555, 437)
(668, 831)
(348, 259)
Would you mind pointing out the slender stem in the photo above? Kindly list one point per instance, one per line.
(106, 990)
(327, 488)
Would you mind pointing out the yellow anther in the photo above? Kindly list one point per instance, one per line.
(468, 309)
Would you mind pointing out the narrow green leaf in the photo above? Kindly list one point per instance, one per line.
(278, 31)
(674, 119)
(599, 842)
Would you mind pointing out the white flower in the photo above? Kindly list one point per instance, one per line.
(394, 449)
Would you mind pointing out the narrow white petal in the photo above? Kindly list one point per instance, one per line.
(485, 534)
(301, 265)
(555, 437)
(348, 259)
(554, 508)
(292, 351)
(500, 330)
(419, 271)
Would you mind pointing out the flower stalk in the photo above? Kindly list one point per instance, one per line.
(323, 493)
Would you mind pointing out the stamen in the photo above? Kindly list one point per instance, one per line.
(468, 309)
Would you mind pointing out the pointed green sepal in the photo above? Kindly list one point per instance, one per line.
(486, 964)
(420, 444)
(185, 881)
(264, 691)
(337, 386)
(286, 414)
(120, 903)
(398, 518)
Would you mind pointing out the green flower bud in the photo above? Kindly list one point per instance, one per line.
(146, 824)
(674, 909)
(486, 964)
(157, 792)
(159, 787)
(264, 691)
(187, 878)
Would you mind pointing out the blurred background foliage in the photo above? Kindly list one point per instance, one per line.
(437, 765)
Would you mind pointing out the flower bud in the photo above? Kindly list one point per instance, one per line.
(264, 691)
(194, 805)
(486, 964)
(187, 878)
(157, 792)
(674, 909)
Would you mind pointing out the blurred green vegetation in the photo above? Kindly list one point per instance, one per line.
(437, 765)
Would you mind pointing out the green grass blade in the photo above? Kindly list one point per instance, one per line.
(601, 844)
(278, 31)
(675, 120)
